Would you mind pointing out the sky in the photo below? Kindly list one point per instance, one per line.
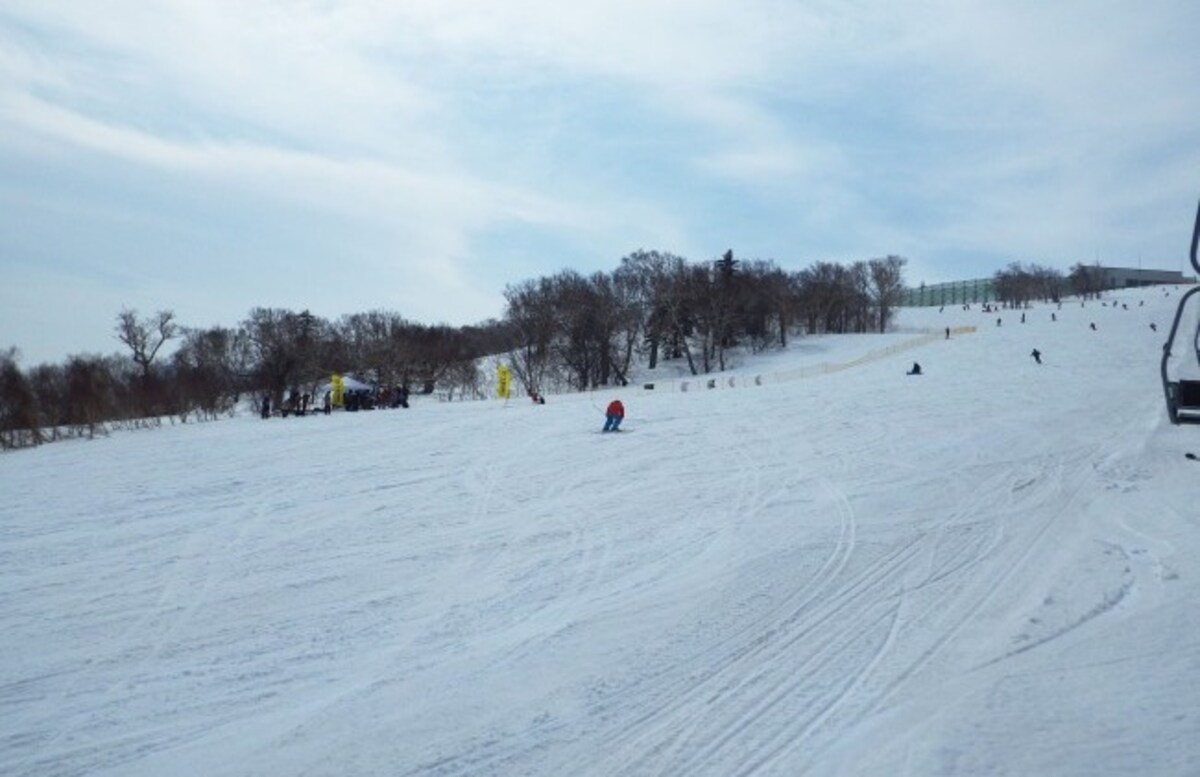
(209, 157)
(791, 578)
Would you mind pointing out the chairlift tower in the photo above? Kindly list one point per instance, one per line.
(1183, 394)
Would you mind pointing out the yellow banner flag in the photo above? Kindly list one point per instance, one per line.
(503, 381)
(339, 391)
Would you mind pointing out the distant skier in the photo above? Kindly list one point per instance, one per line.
(266, 406)
(1037, 356)
(1053, 317)
(947, 333)
(916, 369)
(1153, 328)
(1093, 326)
(613, 416)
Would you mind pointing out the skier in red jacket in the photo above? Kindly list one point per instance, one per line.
(613, 416)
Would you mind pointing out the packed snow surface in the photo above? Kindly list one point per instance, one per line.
(992, 568)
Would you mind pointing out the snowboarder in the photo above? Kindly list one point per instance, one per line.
(1037, 356)
(613, 416)
(916, 369)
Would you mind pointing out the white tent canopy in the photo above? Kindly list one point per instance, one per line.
(349, 384)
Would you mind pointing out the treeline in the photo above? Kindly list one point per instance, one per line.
(564, 331)
(1019, 284)
(273, 351)
(583, 332)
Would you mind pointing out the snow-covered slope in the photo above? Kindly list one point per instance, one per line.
(987, 569)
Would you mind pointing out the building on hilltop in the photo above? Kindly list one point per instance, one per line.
(1129, 277)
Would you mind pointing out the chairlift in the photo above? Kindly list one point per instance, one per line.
(1183, 393)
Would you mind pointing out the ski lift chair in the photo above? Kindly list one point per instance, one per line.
(1183, 394)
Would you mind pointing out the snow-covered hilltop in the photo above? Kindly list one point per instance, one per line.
(986, 569)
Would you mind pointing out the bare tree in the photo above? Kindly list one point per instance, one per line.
(1085, 281)
(628, 321)
(463, 378)
(821, 296)
(886, 286)
(709, 312)
(532, 316)
(19, 423)
(89, 394)
(675, 294)
(431, 353)
(648, 281)
(374, 345)
(768, 305)
(283, 346)
(209, 371)
(1014, 285)
(1048, 283)
(577, 303)
(144, 337)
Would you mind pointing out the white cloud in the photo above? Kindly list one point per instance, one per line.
(933, 126)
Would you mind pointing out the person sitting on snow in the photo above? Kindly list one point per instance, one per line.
(613, 416)
(916, 369)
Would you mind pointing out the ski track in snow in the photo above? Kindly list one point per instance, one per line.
(849, 574)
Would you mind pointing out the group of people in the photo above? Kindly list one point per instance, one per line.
(295, 403)
(300, 403)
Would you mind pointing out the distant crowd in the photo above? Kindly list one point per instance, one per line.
(299, 403)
